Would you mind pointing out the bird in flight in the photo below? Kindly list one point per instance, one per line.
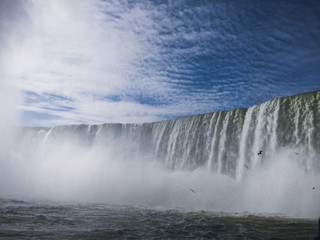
(192, 190)
(259, 153)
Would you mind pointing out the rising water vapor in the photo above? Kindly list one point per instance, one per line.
(9, 96)
(155, 164)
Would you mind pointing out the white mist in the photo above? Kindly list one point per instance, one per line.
(117, 173)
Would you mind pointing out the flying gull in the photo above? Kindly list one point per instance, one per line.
(192, 190)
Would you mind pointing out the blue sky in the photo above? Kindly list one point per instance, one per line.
(94, 61)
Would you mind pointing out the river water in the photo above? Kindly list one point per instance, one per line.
(57, 220)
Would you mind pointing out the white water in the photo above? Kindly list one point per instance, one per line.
(156, 163)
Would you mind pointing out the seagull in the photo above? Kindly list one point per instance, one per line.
(259, 153)
(192, 190)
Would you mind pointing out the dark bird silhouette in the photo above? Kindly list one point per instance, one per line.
(192, 190)
(246, 166)
(313, 188)
(296, 153)
(259, 153)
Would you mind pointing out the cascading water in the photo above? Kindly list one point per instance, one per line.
(215, 154)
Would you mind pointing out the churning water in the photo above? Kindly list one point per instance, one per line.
(201, 167)
(36, 220)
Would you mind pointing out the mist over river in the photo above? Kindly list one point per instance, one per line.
(241, 174)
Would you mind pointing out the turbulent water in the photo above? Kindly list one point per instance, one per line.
(207, 163)
(36, 220)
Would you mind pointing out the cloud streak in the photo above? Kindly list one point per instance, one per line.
(121, 61)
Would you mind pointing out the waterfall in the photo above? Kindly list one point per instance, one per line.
(216, 154)
(222, 142)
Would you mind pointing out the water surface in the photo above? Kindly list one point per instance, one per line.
(52, 220)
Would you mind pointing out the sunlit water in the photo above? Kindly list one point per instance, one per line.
(49, 220)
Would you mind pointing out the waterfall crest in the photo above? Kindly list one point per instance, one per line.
(225, 142)
(215, 154)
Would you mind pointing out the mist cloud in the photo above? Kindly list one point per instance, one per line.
(11, 14)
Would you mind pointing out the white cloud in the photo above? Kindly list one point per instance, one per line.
(124, 61)
(70, 49)
(87, 52)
